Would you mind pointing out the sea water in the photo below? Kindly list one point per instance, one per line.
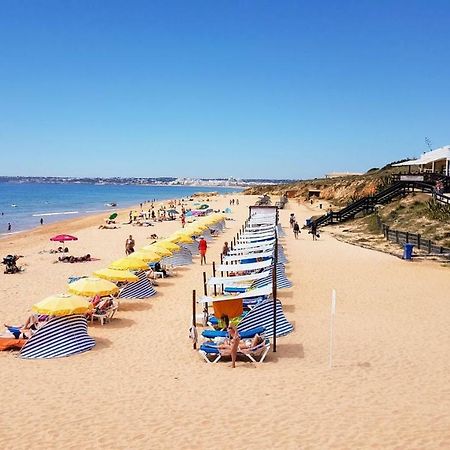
(24, 204)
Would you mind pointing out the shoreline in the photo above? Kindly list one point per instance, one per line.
(85, 215)
(79, 223)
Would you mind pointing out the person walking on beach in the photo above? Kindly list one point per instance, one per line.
(237, 202)
(129, 245)
(296, 229)
(9, 226)
(183, 220)
(202, 247)
(291, 220)
(314, 230)
(42, 221)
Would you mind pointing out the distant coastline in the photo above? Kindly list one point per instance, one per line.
(151, 181)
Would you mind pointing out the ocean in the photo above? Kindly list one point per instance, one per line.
(24, 204)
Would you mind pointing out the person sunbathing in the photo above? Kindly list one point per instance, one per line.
(33, 323)
(74, 259)
(231, 347)
(244, 344)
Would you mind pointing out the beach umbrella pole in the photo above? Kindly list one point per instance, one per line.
(205, 307)
(214, 274)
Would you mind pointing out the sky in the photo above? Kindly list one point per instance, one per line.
(249, 89)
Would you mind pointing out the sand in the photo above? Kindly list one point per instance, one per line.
(144, 387)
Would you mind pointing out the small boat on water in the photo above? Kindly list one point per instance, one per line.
(14, 205)
(111, 205)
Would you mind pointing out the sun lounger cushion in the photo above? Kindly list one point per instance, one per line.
(209, 349)
(211, 334)
(235, 289)
(251, 332)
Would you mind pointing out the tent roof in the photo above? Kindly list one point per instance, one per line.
(265, 290)
(428, 157)
(244, 267)
(238, 279)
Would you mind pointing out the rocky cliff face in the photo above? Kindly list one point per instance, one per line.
(339, 191)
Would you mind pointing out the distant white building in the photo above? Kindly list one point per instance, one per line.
(341, 174)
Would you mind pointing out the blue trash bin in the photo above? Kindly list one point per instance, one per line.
(407, 251)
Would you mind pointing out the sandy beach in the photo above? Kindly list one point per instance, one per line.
(143, 386)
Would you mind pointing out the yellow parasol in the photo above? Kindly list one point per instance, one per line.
(147, 256)
(181, 239)
(116, 275)
(91, 286)
(129, 263)
(195, 232)
(169, 245)
(62, 305)
(155, 248)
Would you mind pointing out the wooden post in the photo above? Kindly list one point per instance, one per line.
(205, 286)
(221, 272)
(418, 241)
(387, 232)
(396, 236)
(194, 319)
(407, 237)
(429, 245)
(205, 306)
(214, 274)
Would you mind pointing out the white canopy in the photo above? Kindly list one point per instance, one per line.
(428, 157)
(244, 267)
(229, 258)
(229, 281)
(252, 236)
(244, 245)
(254, 251)
(257, 227)
(265, 290)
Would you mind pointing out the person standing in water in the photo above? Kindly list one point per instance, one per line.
(9, 226)
(42, 221)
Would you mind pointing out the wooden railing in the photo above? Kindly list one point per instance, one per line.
(367, 204)
(405, 237)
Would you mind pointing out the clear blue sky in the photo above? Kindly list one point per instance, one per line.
(262, 88)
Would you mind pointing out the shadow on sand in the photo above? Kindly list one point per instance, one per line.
(286, 351)
(136, 305)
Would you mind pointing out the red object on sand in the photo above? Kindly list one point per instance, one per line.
(63, 238)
